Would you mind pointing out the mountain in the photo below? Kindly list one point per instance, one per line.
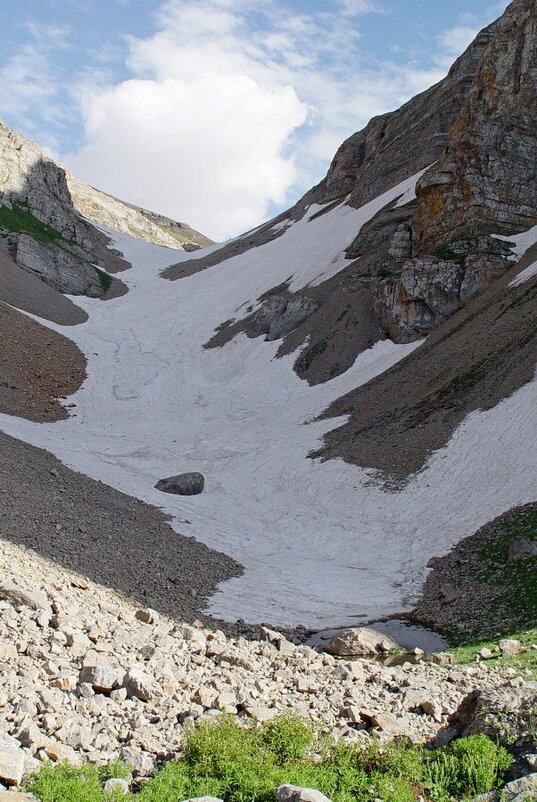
(355, 379)
(46, 217)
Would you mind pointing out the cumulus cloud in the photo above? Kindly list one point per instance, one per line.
(235, 107)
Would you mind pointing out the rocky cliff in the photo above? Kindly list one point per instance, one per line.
(45, 222)
(413, 266)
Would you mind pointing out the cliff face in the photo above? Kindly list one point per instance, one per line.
(485, 181)
(44, 230)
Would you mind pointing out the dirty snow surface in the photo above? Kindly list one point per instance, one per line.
(322, 543)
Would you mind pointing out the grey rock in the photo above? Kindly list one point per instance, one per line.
(504, 714)
(522, 549)
(426, 292)
(276, 639)
(141, 763)
(521, 789)
(148, 616)
(293, 793)
(509, 647)
(115, 784)
(184, 484)
(204, 799)
(360, 641)
(279, 315)
(140, 684)
(57, 268)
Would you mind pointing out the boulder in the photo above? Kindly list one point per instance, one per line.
(522, 549)
(360, 642)
(102, 678)
(293, 793)
(115, 785)
(184, 484)
(11, 761)
(56, 267)
(141, 685)
(279, 315)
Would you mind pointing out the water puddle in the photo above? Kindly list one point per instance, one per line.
(408, 636)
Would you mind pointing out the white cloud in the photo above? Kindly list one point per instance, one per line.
(234, 105)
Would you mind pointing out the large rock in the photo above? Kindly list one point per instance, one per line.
(102, 678)
(11, 762)
(294, 793)
(279, 315)
(522, 549)
(360, 642)
(57, 267)
(184, 484)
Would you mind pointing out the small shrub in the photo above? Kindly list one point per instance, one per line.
(104, 278)
(65, 783)
(287, 738)
(468, 767)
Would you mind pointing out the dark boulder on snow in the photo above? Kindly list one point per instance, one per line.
(184, 484)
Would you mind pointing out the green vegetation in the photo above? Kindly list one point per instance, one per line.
(104, 278)
(525, 661)
(19, 219)
(384, 272)
(241, 764)
(449, 254)
(498, 599)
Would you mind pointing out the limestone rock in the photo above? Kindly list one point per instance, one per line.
(464, 192)
(103, 678)
(360, 641)
(279, 315)
(11, 762)
(504, 714)
(184, 484)
(426, 292)
(115, 784)
(293, 793)
(509, 647)
(140, 684)
(15, 591)
(56, 267)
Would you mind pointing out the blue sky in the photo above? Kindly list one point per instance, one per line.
(217, 112)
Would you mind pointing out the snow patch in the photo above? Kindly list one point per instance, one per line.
(322, 543)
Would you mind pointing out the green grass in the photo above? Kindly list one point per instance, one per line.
(447, 253)
(104, 278)
(525, 662)
(240, 764)
(20, 220)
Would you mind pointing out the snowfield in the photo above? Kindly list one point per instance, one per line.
(322, 543)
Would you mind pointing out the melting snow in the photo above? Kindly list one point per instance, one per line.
(322, 543)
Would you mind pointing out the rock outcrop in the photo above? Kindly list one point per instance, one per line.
(485, 181)
(57, 267)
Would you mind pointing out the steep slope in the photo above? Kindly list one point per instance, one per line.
(124, 217)
(183, 375)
